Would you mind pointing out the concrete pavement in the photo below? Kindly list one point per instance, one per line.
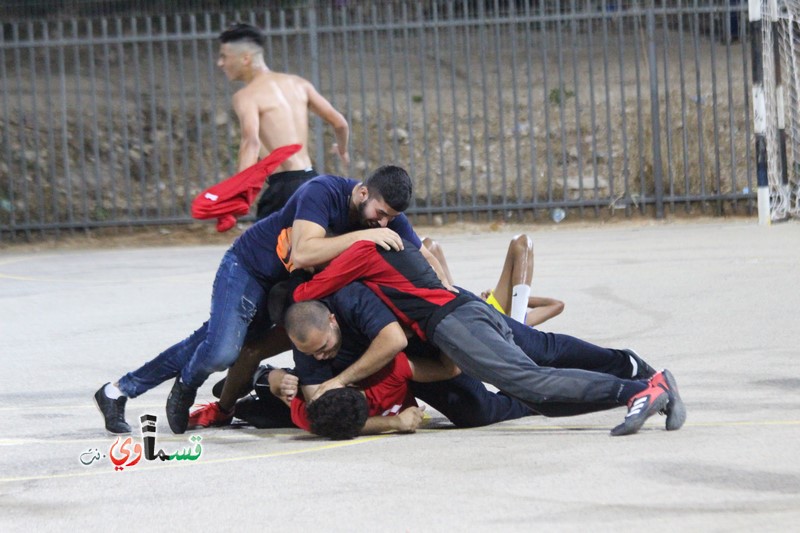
(716, 302)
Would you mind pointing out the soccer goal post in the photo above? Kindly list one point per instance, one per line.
(775, 34)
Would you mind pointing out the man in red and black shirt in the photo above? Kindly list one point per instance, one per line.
(477, 338)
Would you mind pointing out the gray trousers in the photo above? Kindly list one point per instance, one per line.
(477, 338)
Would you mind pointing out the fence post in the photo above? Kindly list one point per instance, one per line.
(313, 49)
(658, 175)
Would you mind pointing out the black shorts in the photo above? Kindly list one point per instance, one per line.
(280, 188)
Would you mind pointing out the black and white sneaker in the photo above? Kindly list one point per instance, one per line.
(642, 406)
(180, 400)
(641, 370)
(113, 411)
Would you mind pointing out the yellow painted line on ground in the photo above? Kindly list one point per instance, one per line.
(248, 432)
(184, 278)
(79, 406)
(16, 260)
(229, 434)
(188, 278)
(692, 424)
(200, 462)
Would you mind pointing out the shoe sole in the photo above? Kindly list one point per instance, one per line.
(629, 427)
(174, 424)
(676, 410)
(96, 404)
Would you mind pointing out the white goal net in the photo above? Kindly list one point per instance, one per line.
(781, 38)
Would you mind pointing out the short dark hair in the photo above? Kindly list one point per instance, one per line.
(393, 185)
(302, 317)
(240, 32)
(339, 414)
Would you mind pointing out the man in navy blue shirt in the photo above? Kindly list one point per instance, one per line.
(322, 219)
(360, 323)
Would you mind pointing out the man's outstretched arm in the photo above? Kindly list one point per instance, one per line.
(322, 107)
(250, 145)
(407, 421)
(311, 246)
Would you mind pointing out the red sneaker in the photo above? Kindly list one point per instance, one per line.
(210, 415)
(642, 406)
(675, 410)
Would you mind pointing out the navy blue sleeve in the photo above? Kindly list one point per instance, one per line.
(315, 202)
(360, 313)
(361, 316)
(402, 226)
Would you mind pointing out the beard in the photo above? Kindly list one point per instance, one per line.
(363, 221)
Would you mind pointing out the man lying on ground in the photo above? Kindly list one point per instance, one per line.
(477, 338)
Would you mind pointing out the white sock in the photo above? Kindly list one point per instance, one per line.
(519, 302)
(112, 391)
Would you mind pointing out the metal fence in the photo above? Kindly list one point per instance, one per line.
(511, 110)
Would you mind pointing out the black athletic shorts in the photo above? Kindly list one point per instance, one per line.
(280, 187)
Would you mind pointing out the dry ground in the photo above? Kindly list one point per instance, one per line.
(203, 233)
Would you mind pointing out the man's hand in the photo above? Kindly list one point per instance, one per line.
(409, 419)
(288, 386)
(333, 383)
(384, 237)
(344, 157)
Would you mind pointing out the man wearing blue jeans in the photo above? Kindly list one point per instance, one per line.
(294, 237)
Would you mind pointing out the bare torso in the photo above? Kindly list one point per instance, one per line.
(282, 101)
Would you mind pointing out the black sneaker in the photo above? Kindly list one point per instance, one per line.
(180, 400)
(675, 410)
(113, 411)
(267, 413)
(642, 406)
(643, 370)
(216, 390)
(261, 381)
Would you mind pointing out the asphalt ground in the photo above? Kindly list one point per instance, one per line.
(715, 302)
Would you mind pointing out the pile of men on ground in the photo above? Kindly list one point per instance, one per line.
(333, 270)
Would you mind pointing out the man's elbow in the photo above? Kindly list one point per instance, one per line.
(340, 126)
(248, 152)
(399, 341)
(301, 260)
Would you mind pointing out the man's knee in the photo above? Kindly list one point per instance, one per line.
(521, 244)
(432, 246)
(219, 360)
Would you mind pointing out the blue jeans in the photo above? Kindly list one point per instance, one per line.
(215, 346)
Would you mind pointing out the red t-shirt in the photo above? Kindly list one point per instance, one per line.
(402, 279)
(386, 390)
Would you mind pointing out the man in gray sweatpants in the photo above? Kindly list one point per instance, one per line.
(478, 339)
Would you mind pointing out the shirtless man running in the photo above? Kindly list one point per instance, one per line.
(273, 111)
